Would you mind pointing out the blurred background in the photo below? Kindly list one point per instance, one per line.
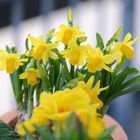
(18, 18)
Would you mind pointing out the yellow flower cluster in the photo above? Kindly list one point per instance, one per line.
(76, 54)
(81, 100)
(49, 70)
(93, 57)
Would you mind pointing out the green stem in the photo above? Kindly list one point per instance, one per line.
(38, 91)
(88, 75)
(30, 101)
(72, 71)
(103, 110)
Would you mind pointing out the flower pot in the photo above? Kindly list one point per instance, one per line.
(118, 134)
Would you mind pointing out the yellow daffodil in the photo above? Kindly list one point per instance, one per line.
(31, 75)
(76, 54)
(58, 106)
(41, 50)
(66, 33)
(124, 48)
(10, 62)
(96, 61)
(92, 92)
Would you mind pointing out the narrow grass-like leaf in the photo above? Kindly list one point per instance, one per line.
(129, 83)
(52, 76)
(115, 36)
(44, 77)
(100, 42)
(124, 92)
(66, 73)
(106, 135)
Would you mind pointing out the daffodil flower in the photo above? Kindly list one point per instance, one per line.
(66, 33)
(31, 75)
(41, 50)
(92, 92)
(76, 54)
(10, 61)
(58, 106)
(97, 61)
(124, 48)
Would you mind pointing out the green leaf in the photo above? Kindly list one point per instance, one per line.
(49, 35)
(7, 133)
(87, 75)
(124, 92)
(119, 66)
(16, 85)
(106, 135)
(72, 71)
(44, 77)
(83, 69)
(100, 42)
(30, 64)
(27, 44)
(62, 60)
(52, 76)
(45, 133)
(129, 83)
(73, 130)
(121, 81)
(72, 83)
(115, 36)
(80, 75)
(59, 82)
(122, 76)
(56, 65)
(66, 73)
(81, 39)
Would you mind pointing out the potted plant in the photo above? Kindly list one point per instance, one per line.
(63, 86)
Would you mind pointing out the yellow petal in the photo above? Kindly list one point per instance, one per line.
(33, 40)
(23, 75)
(3, 57)
(10, 65)
(130, 43)
(52, 55)
(40, 39)
(74, 95)
(60, 116)
(107, 68)
(109, 58)
(104, 88)
(90, 82)
(120, 55)
(128, 51)
(127, 38)
(72, 44)
(46, 99)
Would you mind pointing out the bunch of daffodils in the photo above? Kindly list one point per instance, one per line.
(63, 85)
